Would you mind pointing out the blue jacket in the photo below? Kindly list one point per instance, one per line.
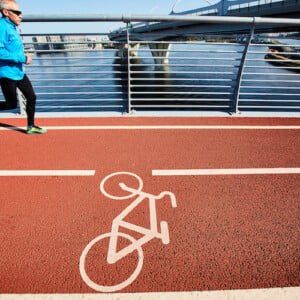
(12, 55)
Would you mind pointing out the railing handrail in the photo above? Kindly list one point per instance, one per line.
(159, 18)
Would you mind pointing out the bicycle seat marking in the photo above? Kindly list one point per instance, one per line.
(159, 231)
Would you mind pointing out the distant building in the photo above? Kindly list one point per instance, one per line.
(66, 42)
(80, 42)
(48, 42)
(40, 43)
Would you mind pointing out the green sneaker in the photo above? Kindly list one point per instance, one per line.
(35, 129)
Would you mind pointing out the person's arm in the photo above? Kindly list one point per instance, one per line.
(7, 55)
(28, 60)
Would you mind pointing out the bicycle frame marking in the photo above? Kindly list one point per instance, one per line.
(113, 255)
(149, 234)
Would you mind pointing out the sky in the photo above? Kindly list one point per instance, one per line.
(65, 7)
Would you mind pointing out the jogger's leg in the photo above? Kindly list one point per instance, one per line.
(9, 90)
(26, 88)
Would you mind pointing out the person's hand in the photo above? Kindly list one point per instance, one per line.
(28, 60)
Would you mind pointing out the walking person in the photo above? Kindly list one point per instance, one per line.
(12, 60)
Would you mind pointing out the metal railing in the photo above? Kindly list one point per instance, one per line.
(191, 72)
(78, 76)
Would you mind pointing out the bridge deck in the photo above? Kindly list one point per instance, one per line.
(228, 232)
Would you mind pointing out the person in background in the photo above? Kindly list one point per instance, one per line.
(12, 60)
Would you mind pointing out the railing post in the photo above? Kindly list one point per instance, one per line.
(128, 68)
(242, 67)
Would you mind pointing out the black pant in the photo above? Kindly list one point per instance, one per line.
(9, 90)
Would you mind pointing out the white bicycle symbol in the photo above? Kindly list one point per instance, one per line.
(113, 255)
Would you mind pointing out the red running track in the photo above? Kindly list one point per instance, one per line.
(227, 232)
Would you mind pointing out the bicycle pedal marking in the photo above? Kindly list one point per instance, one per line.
(114, 255)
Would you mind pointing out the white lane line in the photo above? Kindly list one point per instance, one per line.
(290, 293)
(193, 172)
(47, 173)
(159, 127)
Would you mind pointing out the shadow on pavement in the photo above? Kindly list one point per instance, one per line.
(7, 126)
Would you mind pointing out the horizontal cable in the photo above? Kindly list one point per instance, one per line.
(79, 106)
(271, 106)
(278, 53)
(189, 51)
(74, 86)
(132, 41)
(272, 67)
(64, 33)
(79, 93)
(182, 99)
(183, 79)
(72, 58)
(185, 65)
(71, 50)
(91, 72)
(83, 100)
(184, 72)
(182, 86)
(271, 80)
(270, 94)
(86, 42)
(270, 87)
(75, 66)
(271, 74)
(180, 106)
(74, 79)
(273, 60)
(170, 58)
(180, 93)
(265, 100)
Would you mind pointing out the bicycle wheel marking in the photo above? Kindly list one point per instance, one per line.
(117, 197)
(156, 230)
(113, 288)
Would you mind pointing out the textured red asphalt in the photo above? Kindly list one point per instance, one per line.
(227, 232)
